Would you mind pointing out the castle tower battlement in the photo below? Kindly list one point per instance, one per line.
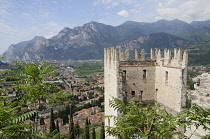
(160, 78)
(179, 59)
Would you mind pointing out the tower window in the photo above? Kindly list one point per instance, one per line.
(133, 93)
(166, 77)
(124, 76)
(144, 74)
(140, 95)
(124, 72)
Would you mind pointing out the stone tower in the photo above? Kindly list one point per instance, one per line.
(158, 79)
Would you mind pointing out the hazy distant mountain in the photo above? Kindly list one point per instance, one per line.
(27, 50)
(199, 24)
(174, 27)
(198, 35)
(155, 40)
(89, 40)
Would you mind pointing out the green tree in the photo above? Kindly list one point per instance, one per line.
(77, 130)
(11, 124)
(195, 116)
(29, 80)
(94, 134)
(54, 135)
(102, 131)
(57, 126)
(71, 124)
(144, 122)
(86, 134)
(65, 118)
(206, 137)
(52, 123)
(41, 121)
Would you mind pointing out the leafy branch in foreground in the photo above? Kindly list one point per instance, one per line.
(139, 121)
(152, 121)
(29, 82)
(12, 125)
(195, 116)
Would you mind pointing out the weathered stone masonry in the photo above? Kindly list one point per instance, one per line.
(200, 96)
(158, 79)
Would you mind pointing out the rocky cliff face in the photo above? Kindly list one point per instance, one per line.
(155, 40)
(89, 40)
(27, 50)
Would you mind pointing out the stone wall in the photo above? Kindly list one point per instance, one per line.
(137, 85)
(160, 79)
(200, 96)
(111, 80)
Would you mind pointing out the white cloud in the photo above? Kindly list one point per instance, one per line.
(134, 10)
(52, 28)
(115, 4)
(189, 10)
(96, 2)
(112, 5)
(123, 13)
(4, 5)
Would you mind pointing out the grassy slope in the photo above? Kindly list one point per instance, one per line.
(88, 68)
(199, 54)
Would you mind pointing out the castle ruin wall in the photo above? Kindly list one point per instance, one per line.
(160, 79)
(201, 97)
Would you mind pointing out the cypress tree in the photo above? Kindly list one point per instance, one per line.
(86, 130)
(41, 121)
(102, 133)
(77, 130)
(57, 126)
(71, 125)
(52, 123)
(65, 118)
(94, 134)
(67, 110)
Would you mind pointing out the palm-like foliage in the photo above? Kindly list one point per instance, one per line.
(11, 124)
(29, 80)
(195, 117)
(29, 86)
(144, 122)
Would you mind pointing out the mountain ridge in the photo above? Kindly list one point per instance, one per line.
(89, 40)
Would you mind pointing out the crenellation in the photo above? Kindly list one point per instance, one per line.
(185, 58)
(127, 54)
(160, 79)
(124, 55)
(167, 57)
(137, 55)
(152, 54)
(142, 55)
(158, 55)
(178, 55)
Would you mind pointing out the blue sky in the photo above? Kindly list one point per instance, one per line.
(21, 20)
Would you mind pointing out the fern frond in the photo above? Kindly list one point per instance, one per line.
(22, 117)
(118, 105)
